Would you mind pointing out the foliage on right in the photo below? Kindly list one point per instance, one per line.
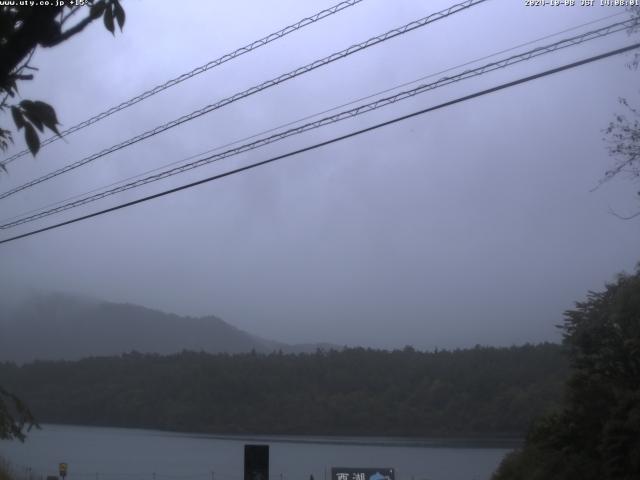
(623, 133)
(596, 435)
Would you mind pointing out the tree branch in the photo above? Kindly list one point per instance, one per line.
(71, 13)
(77, 28)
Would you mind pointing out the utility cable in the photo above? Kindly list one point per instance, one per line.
(380, 103)
(308, 117)
(196, 71)
(258, 88)
(333, 140)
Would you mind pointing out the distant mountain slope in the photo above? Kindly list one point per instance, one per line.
(58, 326)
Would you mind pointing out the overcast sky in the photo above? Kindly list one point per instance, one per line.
(472, 224)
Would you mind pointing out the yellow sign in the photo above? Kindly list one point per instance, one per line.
(62, 468)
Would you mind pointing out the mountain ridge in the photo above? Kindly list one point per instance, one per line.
(62, 326)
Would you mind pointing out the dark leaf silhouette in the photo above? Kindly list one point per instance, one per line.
(108, 20)
(31, 137)
(119, 12)
(97, 9)
(17, 117)
(46, 114)
(31, 112)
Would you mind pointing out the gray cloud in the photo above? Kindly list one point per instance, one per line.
(474, 224)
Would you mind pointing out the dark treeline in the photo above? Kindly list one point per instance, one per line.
(479, 391)
(595, 435)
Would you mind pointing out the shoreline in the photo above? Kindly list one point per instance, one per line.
(480, 441)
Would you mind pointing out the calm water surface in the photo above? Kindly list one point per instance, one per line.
(127, 454)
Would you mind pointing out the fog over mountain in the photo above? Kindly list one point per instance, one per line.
(62, 326)
(475, 223)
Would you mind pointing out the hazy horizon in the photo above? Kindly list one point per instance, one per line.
(28, 296)
(474, 224)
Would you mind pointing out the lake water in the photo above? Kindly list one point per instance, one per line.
(126, 454)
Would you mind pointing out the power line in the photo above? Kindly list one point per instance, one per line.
(308, 117)
(255, 89)
(196, 71)
(332, 119)
(383, 102)
(333, 140)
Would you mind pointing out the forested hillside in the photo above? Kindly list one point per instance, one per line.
(82, 327)
(479, 391)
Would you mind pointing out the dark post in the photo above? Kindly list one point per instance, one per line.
(256, 462)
